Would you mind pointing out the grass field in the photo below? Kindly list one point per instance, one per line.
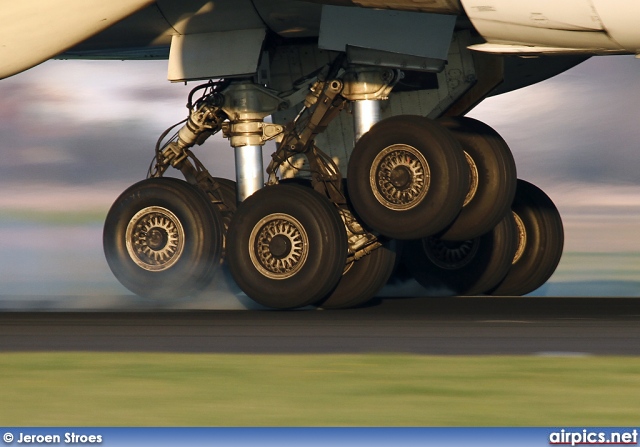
(114, 389)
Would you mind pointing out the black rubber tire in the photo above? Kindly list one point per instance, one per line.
(202, 229)
(463, 268)
(437, 198)
(324, 258)
(364, 278)
(542, 235)
(496, 179)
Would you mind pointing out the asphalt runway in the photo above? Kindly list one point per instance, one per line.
(441, 326)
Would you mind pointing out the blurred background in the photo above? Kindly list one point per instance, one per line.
(75, 134)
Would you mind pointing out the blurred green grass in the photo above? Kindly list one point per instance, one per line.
(132, 389)
(55, 218)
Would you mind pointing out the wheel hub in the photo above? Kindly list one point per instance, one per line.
(400, 177)
(473, 179)
(155, 239)
(522, 238)
(450, 255)
(278, 246)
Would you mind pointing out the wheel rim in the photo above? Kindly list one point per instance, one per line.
(155, 239)
(522, 238)
(473, 179)
(400, 177)
(450, 255)
(278, 246)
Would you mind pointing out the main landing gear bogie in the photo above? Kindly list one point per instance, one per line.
(442, 189)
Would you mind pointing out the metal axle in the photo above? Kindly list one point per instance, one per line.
(366, 113)
(249, 170)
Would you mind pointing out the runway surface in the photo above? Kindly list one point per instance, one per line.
(447, 326)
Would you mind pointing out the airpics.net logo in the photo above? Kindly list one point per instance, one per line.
(592, 437)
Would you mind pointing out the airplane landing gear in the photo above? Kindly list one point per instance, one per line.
(328, 241)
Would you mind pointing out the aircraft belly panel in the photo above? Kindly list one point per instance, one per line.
(145, 33)
(290, 18)
(433, 6)
(206, 16)
(423, 35)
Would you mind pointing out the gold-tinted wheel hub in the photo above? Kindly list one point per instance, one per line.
(278, 246)
(400, 177)
(450, 255)
(155, 239)
(522, 238)
(473, 179)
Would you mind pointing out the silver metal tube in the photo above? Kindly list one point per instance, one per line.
(366, 113)
(249, 170)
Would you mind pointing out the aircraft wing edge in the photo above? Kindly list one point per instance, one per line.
(37, 30)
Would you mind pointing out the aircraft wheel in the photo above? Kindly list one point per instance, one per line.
(541, 240)
(407, 177)
(287, 246)
(163, 239)
(463, 268)
(363, 278)
(492, 179)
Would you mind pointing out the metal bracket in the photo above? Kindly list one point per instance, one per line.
(369, 83)
(250, 133)
(322, 104)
